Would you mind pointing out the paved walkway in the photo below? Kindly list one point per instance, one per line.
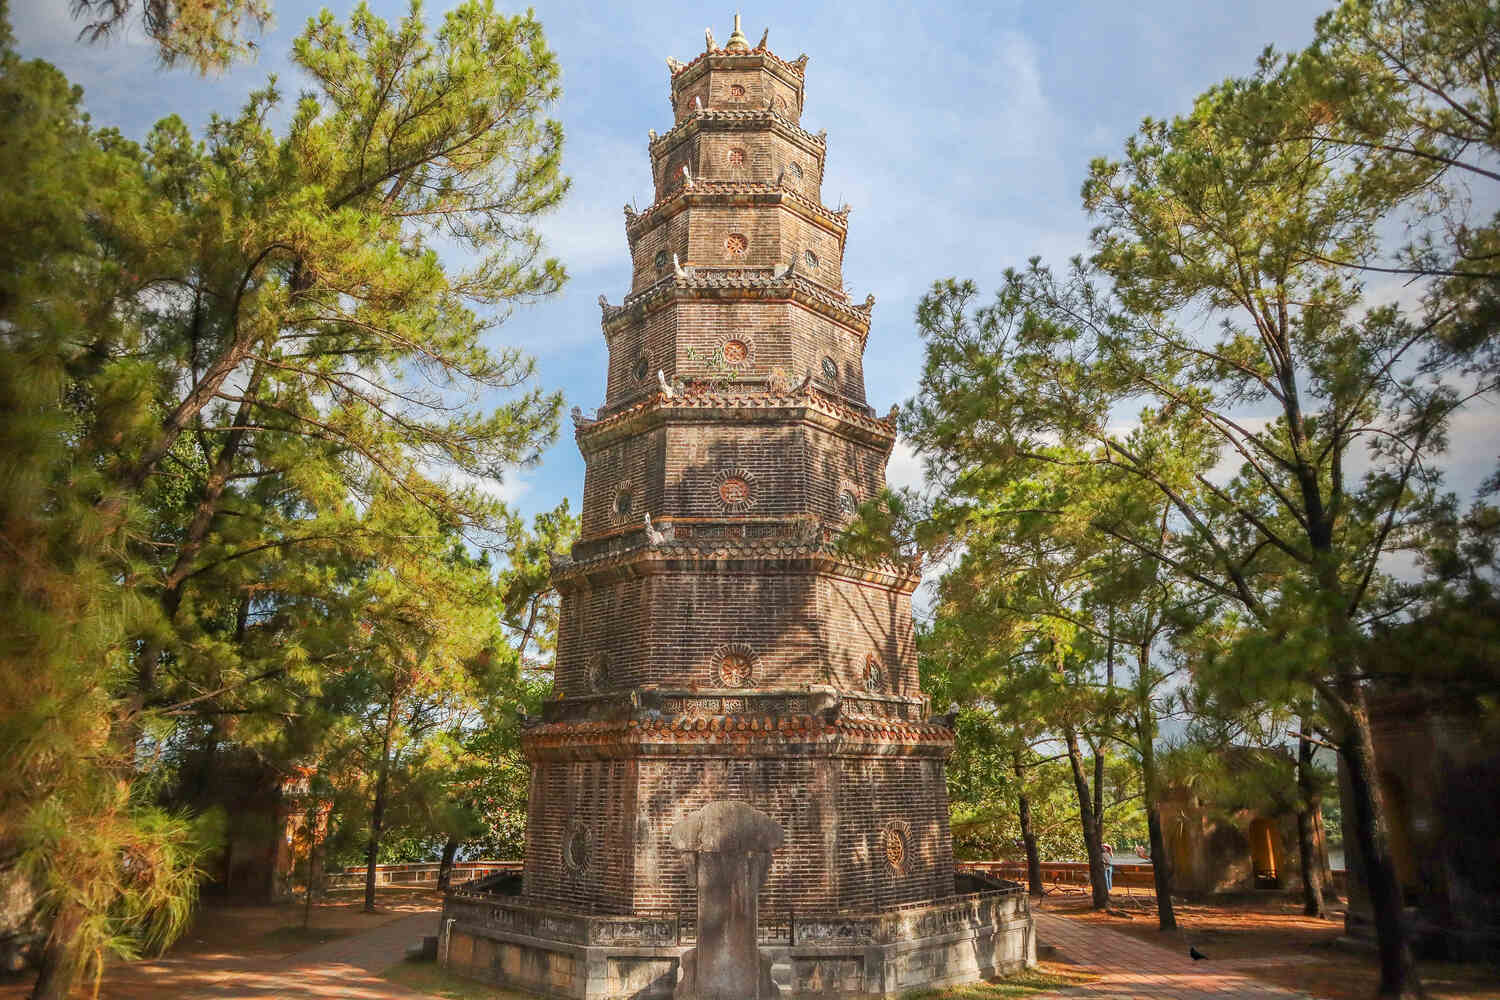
(344, 969)
(1134, 970)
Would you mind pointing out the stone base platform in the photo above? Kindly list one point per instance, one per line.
(490, 933)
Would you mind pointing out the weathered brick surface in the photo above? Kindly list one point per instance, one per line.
(730, 652)
(716, 81)
(768, 231)
(741, 146)
(666, 630)
(782, 338)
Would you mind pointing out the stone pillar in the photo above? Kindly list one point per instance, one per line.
(727, 847)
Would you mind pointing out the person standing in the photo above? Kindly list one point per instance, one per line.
(1109, 868)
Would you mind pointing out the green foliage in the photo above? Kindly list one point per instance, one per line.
(1215, 395)
(205, 35)
(1415, 82)
(115, 875)
(249, 412)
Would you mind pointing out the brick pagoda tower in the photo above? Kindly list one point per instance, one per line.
(713, 643)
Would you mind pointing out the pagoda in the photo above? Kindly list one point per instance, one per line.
(714, 644)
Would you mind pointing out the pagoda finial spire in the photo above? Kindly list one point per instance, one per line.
(737, 40)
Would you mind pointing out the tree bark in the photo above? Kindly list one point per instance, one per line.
(61, 962)
(377, 811)
(1161, 870)
(1308, 805)
(1398, 973)
(1104, 734)
(1028, 835)
(1099, 791)
(1091, 839)
(445, 867)
(1161, 864)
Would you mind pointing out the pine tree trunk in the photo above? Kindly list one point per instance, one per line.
(1312, 859)
(1398, 974)
(1028, 835)
(61, 961)
(445, 867)
(1099, 793)
(377, 811)
(1161, 870)
(316, 857)
(1091, 839)
(1161, 864)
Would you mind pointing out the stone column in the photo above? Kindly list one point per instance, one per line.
(727, 847)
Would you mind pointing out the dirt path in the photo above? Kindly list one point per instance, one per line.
(348, 968)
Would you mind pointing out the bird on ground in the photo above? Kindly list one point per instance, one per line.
(1198, 956)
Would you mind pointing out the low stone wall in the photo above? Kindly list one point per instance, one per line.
(418, 874)
(859, 956)
(555, 952)
(1077, 873)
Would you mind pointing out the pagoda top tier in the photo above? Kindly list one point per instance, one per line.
(737, 77)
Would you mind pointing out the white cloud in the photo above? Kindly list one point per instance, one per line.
(904, 470)
(509, 490)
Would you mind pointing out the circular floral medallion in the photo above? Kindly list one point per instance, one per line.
(578, 847)
(874, 677)
(736, 489)
(895, 843)
(736, 157)
(830, 370)
(734, 666)
(736, 244)
(736, 352)
(598, 671)
(736, 92)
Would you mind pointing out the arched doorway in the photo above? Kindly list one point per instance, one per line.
(1264, 853)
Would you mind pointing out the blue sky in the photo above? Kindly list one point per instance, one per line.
(960, 135)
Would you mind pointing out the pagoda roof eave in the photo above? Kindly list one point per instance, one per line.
(811, 405)
(794, 73)
(714, 117)
(733, 735)
(647, 558)
(704, 192)
(743, 283)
